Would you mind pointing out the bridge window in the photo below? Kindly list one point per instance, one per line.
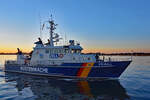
(62, 51)
(72, 51)
(50, 51)
(66, 51)
(56, 51)
(46, 51)
(75, 51)
(78, 51)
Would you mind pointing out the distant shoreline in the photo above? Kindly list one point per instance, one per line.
(107, 54)
(11, 53)
(122, 54)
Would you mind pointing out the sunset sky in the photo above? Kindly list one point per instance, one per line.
(99, 25)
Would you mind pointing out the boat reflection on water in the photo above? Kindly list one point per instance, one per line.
(42, 88)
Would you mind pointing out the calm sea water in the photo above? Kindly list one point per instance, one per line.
(134, 84)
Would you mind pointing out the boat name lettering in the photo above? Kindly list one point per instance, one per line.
(34, 69)
(103, 63)
(53, 56)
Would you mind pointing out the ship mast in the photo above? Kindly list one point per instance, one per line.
(51, 31)
(54, 37)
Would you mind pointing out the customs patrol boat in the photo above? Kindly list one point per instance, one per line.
(64, 61)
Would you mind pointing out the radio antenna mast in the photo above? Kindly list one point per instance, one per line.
(40, 27)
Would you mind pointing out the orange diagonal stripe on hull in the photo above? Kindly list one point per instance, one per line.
(80, 71)
(86, 70)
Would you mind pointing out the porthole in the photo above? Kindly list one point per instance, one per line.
(74, 58)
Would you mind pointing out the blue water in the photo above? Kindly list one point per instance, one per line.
(134, 84)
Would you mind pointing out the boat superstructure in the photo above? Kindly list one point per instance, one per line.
(64, 61)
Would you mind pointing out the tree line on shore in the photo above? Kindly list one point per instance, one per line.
(109, 54)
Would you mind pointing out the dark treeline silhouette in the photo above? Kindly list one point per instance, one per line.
(109, 54)
(123, 54)
(12, 53)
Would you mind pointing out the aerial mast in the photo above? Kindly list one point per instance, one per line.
(40, 28)
(54, 37)
(52, 28)
(51, 31)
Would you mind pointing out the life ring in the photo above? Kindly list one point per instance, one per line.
(61, 55)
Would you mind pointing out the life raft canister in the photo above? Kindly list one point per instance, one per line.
(61, 55)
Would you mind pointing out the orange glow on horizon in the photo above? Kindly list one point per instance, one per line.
(86, 50)
(9, 48)
(13, 50)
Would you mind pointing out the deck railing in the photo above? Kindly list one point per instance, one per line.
(10, 62)
(117, 59)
